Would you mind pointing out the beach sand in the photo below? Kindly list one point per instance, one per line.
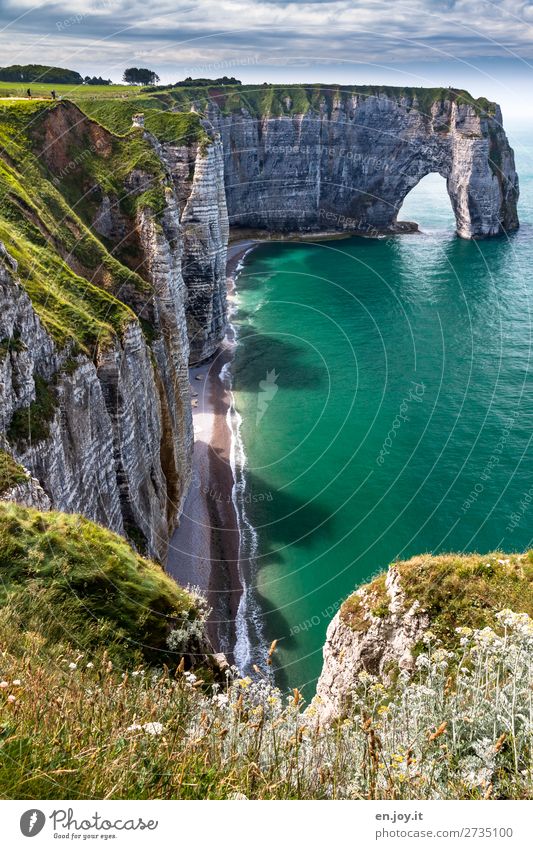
(204, 549)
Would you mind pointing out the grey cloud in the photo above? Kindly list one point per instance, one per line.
(371, 30)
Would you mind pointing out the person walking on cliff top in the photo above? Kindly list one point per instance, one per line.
(29, 93)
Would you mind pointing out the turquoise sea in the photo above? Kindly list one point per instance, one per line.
(385, 393)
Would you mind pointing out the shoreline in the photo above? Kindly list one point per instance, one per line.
(204, 548)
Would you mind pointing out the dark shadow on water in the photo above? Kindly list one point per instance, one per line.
(259, 353)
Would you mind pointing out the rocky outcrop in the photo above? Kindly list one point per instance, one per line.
(29, 494)
(348, 160)
(423, 605)
(373, 632)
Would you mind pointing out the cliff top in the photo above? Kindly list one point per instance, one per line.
(278, 100)
(74, 583)
(114, 105)
(453, 589)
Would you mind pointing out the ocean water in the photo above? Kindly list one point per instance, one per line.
(385, 399)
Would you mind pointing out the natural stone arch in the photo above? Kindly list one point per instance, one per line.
(349, 166)
(428, 204)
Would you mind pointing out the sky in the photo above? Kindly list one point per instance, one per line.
(485, 47)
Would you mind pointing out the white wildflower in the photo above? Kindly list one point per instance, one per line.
(153, 728)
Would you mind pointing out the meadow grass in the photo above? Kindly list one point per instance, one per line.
(98, 698)
(79, 92)
(75, 725)
(69, 579)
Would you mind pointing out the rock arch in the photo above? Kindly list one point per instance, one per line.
(350, 167)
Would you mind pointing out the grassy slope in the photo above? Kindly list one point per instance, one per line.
(86, 711)
(116, 116)
(456, 590)
(34, 219)
(78, 585)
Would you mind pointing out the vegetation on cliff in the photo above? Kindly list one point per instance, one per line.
(56, 166)
(452, 589)
(11, 473)
(181, 128)
(72, 584)
(270, 100)
(47, 237)
(88, 710)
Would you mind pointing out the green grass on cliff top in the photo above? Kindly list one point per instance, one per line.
(279, 100)
(116, 115)
(76, 584)
(79, 92)
(454, 589)
(113, 105)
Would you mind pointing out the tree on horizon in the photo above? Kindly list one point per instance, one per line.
(140, 76)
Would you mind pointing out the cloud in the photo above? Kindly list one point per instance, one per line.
(103, 35)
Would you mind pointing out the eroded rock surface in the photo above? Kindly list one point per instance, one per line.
(373, 632)
(349, 164)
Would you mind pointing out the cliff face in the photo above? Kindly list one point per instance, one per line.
(205, 231)
(417, 604)
(97, 408)
(348, 162)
